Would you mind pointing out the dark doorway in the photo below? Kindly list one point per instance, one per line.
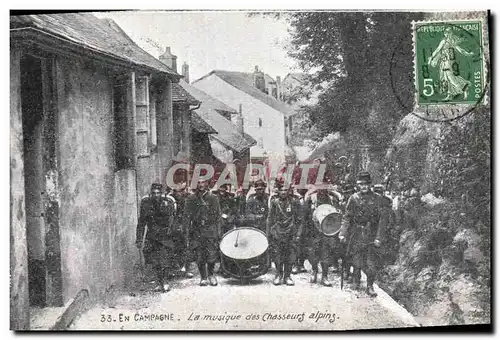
(32, 108)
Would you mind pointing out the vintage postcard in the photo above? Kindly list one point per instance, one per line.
(250, 170)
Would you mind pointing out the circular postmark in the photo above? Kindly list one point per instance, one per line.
(449, 74)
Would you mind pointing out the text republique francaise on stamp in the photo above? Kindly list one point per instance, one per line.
(449, 68)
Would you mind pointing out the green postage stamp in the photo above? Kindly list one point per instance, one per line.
(449, 62)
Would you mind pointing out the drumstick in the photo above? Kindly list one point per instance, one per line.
(236, 242)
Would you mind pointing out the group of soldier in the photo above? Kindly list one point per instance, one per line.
(177, 227)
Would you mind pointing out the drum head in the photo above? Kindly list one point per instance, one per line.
(244, 243)
(331, 224)
(327, 219)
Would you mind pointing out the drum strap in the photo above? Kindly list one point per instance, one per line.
(281, 210)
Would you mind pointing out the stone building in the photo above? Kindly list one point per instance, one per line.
(92, 125)
(255, 97)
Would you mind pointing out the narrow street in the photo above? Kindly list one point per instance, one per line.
(257, 305)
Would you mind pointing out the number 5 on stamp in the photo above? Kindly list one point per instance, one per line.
(449, 62)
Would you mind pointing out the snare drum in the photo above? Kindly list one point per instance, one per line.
(244, 253)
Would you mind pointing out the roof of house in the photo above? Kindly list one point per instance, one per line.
(87, 31)
(244, 82)
(181, 95)
(299, 76)
(226, 131)
(268, 78)
(206, 99)
(334, 143)
(199, 125)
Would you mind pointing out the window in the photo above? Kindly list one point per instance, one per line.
(260, 122)
(178, 112)
(152, 120)
(123, 152)
(142, 122)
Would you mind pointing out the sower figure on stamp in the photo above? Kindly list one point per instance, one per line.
(202, 216)
(185, 253)
(363, 228)
(154, 232)
(322, 249)
(302, 245)
(285, 229)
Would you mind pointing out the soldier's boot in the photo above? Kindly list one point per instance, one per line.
(288, 271)
(314, 275)
(300, 266)
(162, 286)
(357, 278)
(302, 269)
(324, 275)
(187, 269)
(211, 277)
(203, 274)
(335, 265)
(347, 274)
(369, 287)
(279, 274)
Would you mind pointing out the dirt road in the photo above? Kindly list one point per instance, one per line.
(257, 305)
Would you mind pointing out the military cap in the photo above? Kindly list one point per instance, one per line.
(364, 176)
(279, 182)
(348, 188)
(378, 188)
(260, 183)
(156, 186)
(181, 186)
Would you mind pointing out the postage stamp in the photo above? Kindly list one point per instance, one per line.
(448, 62)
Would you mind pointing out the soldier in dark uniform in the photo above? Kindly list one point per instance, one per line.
(228, 208)
(157, 214)
(202, 216)
(186, 255)
(302, 245)
(257, 207)
(274, 194)
(392, 233)
(322, 249)
(285, 228)
(363, 228)
(347, 191)
(241, 203)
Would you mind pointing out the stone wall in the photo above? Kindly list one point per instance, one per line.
(90, 242)
(19, 302)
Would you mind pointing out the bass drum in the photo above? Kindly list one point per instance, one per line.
(327, 219)
(244, 253)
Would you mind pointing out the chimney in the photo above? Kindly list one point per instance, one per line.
(169, 59)
(185, 72)
(239, 120)
(278, 87)
(259, 81)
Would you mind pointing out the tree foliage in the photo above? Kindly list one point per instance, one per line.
(350, 59)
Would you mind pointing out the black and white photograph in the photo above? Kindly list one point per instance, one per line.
(250, 170)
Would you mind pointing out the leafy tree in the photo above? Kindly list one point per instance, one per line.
(353, 59)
